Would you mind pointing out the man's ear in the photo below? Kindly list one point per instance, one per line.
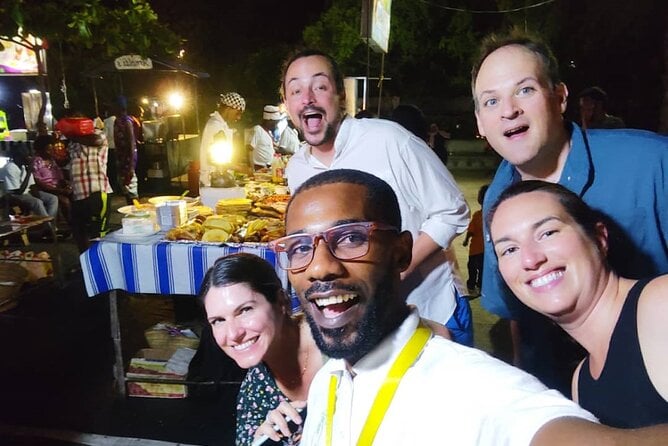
(342, 99)
(561, 90)
(602, 238)
(403, 251)
(481, 129)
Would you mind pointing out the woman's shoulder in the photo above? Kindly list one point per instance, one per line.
(653, 306)
(654, 294)
(653, 331)
(259, 385)
(259, 375)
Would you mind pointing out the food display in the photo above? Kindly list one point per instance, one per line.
(257, 190)
(200, 210)
(233, 206)
(257, 218)
(237, 220)
(190, 231)
(272, 206)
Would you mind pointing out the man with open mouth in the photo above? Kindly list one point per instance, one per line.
(433, 208)
(519, 104)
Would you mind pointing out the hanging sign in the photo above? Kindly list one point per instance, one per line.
(133, 62)
(376, 19)
(17, 59)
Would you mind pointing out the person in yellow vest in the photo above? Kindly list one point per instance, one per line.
(389, 379)
(4, 127)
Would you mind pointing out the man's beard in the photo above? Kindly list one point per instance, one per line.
(372, 327)
(330, 130)
(330, 134)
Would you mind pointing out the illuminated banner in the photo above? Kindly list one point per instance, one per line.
(17, 60)
(133, 62)
(379, 22)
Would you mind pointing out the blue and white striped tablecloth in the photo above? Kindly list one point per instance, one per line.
(157, 268)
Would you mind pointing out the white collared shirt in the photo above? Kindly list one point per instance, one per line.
(263, 146)
(429, 198)
(289, 140)
(451, 395)
(213, 127)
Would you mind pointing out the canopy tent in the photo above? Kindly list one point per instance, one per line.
(136, 64)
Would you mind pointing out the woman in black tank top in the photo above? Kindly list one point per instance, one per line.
(553, 253)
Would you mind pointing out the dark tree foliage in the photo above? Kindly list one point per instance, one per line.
(79, 34)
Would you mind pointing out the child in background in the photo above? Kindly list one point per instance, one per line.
(476, 249)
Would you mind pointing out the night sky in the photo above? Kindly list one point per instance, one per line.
(219, 30)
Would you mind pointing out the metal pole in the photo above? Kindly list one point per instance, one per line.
(368, 52)
(380, 81)
(364, 92)
(97, 109)
(196, 104)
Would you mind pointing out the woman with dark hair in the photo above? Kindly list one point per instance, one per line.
(249, 314)
(250, 317)
(49, 176)
(553, 252)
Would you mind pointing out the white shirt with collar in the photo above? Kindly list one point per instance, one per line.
(429, 198)
(13, 175)
(215, 125)
(289, 140)
(451, 395)
(263, 146)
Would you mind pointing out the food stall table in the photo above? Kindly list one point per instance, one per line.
(152, 265)
(20, 227)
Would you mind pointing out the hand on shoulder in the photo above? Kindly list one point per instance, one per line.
(276, 426)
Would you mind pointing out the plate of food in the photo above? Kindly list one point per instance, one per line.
(133, 209)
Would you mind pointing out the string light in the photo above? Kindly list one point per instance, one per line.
(503, 11)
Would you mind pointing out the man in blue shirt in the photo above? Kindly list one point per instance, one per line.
(519, 105)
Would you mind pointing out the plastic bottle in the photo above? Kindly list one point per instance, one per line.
(277, 169)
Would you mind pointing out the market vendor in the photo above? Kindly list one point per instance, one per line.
(261, 142)
(230, 108)
(126, 150)
(288, 143)
(90, 184)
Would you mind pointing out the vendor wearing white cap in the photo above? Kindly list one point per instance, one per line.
(230, 108)
(261, 141)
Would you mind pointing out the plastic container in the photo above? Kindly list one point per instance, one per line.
(75, 126)
(171, 214)
(139, 223)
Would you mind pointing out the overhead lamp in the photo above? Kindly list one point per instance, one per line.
(176, 100)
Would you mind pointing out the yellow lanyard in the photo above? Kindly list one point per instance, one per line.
(406, 358)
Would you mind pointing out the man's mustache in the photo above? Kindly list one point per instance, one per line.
(311, 109)
(324, 287)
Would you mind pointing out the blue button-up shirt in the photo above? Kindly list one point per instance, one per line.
(621, 173)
